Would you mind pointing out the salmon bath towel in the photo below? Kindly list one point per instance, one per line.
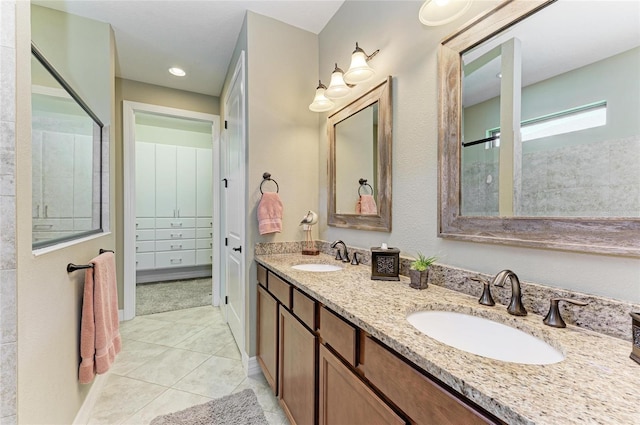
(366, 205)
(99, 329)
(270, 213)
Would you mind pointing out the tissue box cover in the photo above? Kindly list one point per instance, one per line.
(385, 264)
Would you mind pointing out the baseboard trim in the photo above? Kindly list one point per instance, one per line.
(250, 365)
(82, 417)
(161, 275)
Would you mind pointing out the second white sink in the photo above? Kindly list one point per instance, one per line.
(484, 337)
(312, 267)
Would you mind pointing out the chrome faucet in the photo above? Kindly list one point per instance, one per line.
(515, 306)
(344, 258)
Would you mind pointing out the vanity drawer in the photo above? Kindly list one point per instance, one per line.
(262, 275)
(279, 289)
(422, 399)
(175, 259)
(204, 244)
(145, 261)
(204, 233)
(339, 334)
(145, 235)
(204, 256)
(304, 308)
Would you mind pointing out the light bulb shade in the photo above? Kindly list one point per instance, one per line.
(359, 71)
(337, 87)
(440, 12)
(320, 102)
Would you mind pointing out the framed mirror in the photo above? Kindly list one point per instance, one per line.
(540, 146)
(360, 162)
(66, 159)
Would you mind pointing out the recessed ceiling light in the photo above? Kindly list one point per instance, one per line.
(178, 72)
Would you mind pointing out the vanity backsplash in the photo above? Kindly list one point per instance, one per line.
(603, 315)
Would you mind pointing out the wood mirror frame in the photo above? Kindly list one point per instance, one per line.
(613, 236)
(381, 221)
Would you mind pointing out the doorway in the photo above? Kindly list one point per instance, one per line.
(171, 224)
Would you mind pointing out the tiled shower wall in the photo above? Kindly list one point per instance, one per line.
(594, 180)
(8, 335)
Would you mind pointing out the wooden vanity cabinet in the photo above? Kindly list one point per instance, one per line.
(327, 371)
(297, 370)
(345, 400)
(421, 398)
(267, 330)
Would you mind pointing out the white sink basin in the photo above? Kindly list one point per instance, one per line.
(317, 267)
(484, 337)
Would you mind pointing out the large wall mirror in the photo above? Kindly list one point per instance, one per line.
(360, 162)
(539, 136)
(66, 159)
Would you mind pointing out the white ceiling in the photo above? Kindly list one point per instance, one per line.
(197, 35)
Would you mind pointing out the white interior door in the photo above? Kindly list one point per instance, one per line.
(234, 208)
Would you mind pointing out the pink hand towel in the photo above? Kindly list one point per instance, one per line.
(270, 213)
(99, 329)
(366, 205)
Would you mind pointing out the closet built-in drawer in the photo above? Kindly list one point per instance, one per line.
(421, 398)
(145, 223)
(175, 259)
(204, 233)
(52, 224)
(145, 261)
(176, 245)
(262, 275)
(175, 223)
(304, 308)
(338, 334)
(145, 246)
(206, 222)
(204, 256)
(169, 234)
(279, 289)
(204, 243)
(145, 235)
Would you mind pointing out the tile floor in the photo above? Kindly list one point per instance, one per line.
(173, 360)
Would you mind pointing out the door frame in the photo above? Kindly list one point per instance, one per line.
(129, 110)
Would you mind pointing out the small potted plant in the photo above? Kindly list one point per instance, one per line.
(419, 271)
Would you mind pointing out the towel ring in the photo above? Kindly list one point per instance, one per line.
(363, 182)
(267, 177)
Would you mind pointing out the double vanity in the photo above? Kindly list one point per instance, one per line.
(338, 347)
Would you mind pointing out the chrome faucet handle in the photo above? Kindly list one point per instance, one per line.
(354, 260)
(486, 298)
(553, 317)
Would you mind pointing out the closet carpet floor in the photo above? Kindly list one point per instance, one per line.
(158, 297)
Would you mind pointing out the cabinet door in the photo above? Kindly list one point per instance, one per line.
(57, 175)
(165, 171)
(297, 370)
(267, 347)
(185, 181)
(145, 179)
(346, 400)
(204, 182)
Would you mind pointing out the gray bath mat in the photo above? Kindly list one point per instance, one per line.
(236, 409)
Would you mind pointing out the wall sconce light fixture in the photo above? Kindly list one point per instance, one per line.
(341, 82)
(359, 70)
(440, 12)
(320, 102)
(337, 86)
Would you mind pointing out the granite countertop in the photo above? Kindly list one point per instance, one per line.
(597, 383)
